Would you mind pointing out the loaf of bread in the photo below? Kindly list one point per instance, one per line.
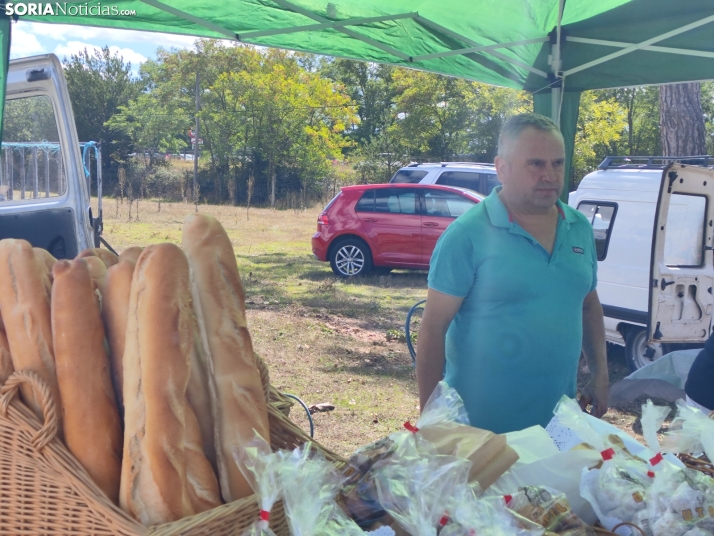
(89, 409)
(97, 272)
(45, 258)
(115, 308)
(165, 475)
(237, 397)
(131, 254)
(107, 257)
(6, 368)
(25, 309)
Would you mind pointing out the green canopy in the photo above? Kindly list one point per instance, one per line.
(553, 48)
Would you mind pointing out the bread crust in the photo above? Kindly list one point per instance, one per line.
(131, 254)
(115, 309)
(107, 257)
(6, 368)
(25, 309)
(45, 258)
(163, 472)
(237, 398)
(89, 409)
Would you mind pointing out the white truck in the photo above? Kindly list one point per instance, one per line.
(652, 219)
(44, 188)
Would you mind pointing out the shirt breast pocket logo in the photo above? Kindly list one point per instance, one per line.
(578, 250)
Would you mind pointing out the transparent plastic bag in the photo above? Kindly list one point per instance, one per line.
(548, 508)
(310, 484)
(416, 490)
(261, 466)
(691, 431)
(680, 501)
(570, 415)
(652, 419)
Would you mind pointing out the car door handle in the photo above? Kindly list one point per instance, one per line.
(430, 224)
(369, 220)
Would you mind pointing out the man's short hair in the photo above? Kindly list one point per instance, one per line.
(516, 124)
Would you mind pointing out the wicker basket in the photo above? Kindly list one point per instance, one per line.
(45, 491)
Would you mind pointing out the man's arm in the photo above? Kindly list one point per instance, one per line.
(597, 390)
(439, 311)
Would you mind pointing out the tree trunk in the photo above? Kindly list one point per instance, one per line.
(682, 131)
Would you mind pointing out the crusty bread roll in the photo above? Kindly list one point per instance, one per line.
(97, 272)
(165, 475)
(92, 426)
(6, 368)
(107, 257)
(25, 309)
(45, 258)
(237, 397)
(131, 254)
(115, 308)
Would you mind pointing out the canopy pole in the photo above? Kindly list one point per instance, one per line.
(556, 89)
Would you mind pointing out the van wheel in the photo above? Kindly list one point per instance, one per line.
(637, 352)
(351, 258)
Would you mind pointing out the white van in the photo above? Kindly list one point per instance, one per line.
(623, 199)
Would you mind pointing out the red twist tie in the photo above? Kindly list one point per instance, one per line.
(409, 426)
(608, 454)
(444, 520)
(508, 498)
(472, 532)
(650, 474)
(264, 515)
(654, 461)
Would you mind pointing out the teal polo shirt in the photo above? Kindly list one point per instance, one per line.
(513, 348)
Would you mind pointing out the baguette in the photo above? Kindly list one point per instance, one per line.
(25, 309)
(107, 257)
(45, 258)
(115, 308)
(131, 254)
(237, 398)
(165, 475)
(6, 368)
(91, 421)
(97, 272)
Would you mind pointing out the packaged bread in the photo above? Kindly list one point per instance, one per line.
(115, 308)
(25, 308)
(165, 473)
(88, 402)
(238, 403)
(107, 257)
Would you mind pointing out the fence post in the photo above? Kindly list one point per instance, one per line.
(36, 190)
(47, 171)
(22, 173)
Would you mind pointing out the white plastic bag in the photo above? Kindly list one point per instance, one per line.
(691, 431)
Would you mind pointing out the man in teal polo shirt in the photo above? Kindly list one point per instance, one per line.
(512, 301)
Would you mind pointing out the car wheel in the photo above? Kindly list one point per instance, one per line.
(351, 258)
(637, 352)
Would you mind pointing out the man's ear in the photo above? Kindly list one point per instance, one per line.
(501, 164)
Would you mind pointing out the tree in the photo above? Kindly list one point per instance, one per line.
(642, 134)
(99, 83)
(682, 120)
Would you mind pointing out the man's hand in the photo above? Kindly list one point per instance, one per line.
(597, 390)
(596, 393)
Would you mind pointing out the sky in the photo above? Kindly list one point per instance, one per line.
(32, 38)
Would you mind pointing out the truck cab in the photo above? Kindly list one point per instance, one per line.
(44, 193)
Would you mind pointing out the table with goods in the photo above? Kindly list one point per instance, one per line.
(132, 403)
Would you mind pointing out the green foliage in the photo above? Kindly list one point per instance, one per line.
(99, 83)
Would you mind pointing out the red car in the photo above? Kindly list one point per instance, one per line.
(385, 226)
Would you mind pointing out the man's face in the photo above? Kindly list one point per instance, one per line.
(532, 170)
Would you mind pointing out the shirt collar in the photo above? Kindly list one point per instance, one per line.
(500, 217)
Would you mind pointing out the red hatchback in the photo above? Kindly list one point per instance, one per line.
(384, 226)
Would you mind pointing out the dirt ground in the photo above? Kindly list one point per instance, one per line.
(324, 339)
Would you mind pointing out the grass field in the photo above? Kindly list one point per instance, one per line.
(324, 339)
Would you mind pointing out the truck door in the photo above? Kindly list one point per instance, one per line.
(682, 265)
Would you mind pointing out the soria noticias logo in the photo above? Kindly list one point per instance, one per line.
(63, 8)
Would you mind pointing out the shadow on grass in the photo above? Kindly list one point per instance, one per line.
(373, 364)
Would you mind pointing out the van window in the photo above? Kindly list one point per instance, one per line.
(491, 182)
(30, 161)
(601, 216)
(462, 179)
(408, 176)
(684, 237)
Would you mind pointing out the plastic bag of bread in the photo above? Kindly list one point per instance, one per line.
(471, 515)
(415, 490)
(550, 509)
(261, 468)
(680, 501)
(690, 431)
(310, 484)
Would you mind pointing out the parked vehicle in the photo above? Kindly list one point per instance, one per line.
(44, 194)
(623, 199)
(385, 226)
(480, 178)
